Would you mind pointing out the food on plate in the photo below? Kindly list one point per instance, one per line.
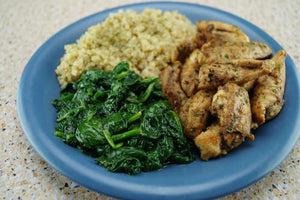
(189, 72)
(145, 39)
(214, 33)
(248, 85)
(237, 50)
(172, 89)
(218, 83)
(267, 99)
(236, 71)
(231, 106)
(185, 48)
(194, 113)
(241, 53)
(209, 34)
(122, 120)
(216, 72)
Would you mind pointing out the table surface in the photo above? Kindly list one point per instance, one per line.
(25, 25)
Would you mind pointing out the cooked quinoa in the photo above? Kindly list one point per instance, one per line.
(146, 40)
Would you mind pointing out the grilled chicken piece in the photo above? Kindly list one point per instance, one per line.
(231, 105)
(169, 79)
(209, 142)
(195, 112)
(189, 72)
(210, 33)
(242, 51)
(186, 48)
(237, 50)
(216, 33)
(267, 99)
(236, 71)
(248, 85)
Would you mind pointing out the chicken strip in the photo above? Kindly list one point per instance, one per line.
(216, 33)
(248, 85)
(267, 100)
(231, 105)
(241, 51)
(210, 33)
(186, 48)
(236, 71)
(237, 50)
(209, 142)
(195, 112)
(189, 72)
(169, 79)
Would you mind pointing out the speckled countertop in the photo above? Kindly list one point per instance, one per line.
(25, 25)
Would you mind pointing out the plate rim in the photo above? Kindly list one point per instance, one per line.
(26, 128)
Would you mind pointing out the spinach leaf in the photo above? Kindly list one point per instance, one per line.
(89, 133)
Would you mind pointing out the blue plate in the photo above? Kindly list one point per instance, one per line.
(242, 167)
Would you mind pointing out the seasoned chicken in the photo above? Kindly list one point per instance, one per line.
(242, 51)
(222, 58)
(236, 71)
(210, 33)
(267, 99)
(210, 142)
(189, 72)
(216, 33)
(186, 48)
(195, 112)
(231, 105)
(248, 85)
(169, 79)
(237, 50)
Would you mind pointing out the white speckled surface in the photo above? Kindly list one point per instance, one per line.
(25, 25)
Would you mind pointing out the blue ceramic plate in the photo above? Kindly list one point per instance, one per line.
(242, 167)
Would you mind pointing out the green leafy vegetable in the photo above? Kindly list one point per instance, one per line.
(122, 120)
